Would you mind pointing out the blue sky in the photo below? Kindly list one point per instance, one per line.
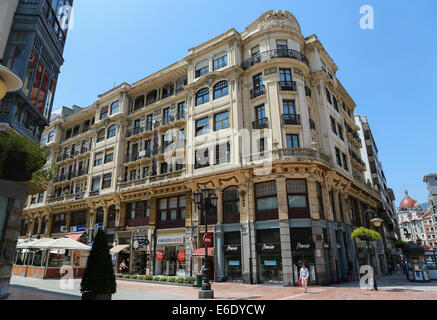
(389, 71)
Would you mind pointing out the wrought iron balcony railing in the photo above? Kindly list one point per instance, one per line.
(291, 119)
(258, 91)
(261, 123)
(287, 85)
(271, 54)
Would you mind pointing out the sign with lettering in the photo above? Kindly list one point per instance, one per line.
(302, 245)
(270, 263)
(234, 263)
(326, 245)
(268, 247)
(231, 248)
(170, 239)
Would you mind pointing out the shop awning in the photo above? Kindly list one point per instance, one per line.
(74, 236)
(201, 252)
(48, 243)
(119, 248)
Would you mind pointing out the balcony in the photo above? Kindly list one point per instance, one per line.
(134, 131)
(180, 116)
(257, 92)
(261, 124)
(295, 154)
(351, 134)
(169, 175)
(271, 54)
(137, 222)
(166, 120)
(137, 156)
(356, 158)
(52, 20)
(287, 85)
(312, 124)
(291, 119)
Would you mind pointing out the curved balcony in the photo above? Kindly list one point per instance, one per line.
(277, 53)
(257, 92)
(295, 154)
(261, 123)
(291, 119)
(287, 85)
(134, 131)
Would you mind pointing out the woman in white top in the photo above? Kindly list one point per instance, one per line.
(304, 275)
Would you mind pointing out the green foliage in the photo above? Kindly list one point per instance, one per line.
(99, 277)
(180, 280)
(148, 278)
(134, 276)
(400, 244)
(189, 280)
(366, 233)
(156, 278)
(163, 279)
(171, 279)
(36, 160)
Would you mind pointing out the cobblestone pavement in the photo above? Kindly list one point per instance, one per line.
(390, 288)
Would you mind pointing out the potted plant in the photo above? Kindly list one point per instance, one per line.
(366, 234)
(98, 281)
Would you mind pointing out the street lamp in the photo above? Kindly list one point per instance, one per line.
(376, 221)
(8, 81)
(205, 200)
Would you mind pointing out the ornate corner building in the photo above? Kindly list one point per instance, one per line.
(260, 117)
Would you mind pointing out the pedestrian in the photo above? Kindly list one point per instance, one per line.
(304, 275)
(202, 270)
(123, 267)
(350, 271)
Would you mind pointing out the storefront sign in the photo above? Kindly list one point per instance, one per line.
(231, 248)
(338, 246)
(181, 255)
(159, 256)
(270, 263)
(207, 240)
(234, 263)
(268, 247)
(303, 246)
(326, 245)
(170, 239)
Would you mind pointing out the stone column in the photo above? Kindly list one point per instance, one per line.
(220, 259)
(219, 194)
(117, 215)
(246, 245)
(49, 224)
(284, 229)
(39, 225)
(91, 222)
(318, 252)
(105, 217)
(313, 200)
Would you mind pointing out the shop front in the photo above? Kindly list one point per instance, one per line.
(140, 253)
(302, 251)
(269, 258)
(170, 254)
(232, 257)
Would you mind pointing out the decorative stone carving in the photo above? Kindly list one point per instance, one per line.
(278, 19)
(298, 71)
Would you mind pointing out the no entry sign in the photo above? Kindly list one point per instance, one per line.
(181, 255)
(159, 256)
(207, 240)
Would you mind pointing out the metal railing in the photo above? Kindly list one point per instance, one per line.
(277, 53)
(261, 123)
(287, 85)
(291, 119)
(297, 154)
(258, 91)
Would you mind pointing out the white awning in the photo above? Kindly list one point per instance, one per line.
(119, 248)
(49, 243)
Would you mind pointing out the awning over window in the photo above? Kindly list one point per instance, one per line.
(200, 253)
(75, 236)
(119, 248)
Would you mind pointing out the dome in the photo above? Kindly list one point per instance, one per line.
(409, 203)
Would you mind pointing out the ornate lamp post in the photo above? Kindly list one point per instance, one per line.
(377, 221)
(205, 200)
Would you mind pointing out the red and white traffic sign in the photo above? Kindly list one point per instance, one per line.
(181, 255)
(207, 240)
(159, 256)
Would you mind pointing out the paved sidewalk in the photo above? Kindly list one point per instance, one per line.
(390, 288)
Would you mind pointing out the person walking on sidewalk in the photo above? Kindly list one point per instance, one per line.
(304, 275)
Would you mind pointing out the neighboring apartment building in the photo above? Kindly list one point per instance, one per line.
(34, 52)
(375, 176)
(257, 116)
(431, 183)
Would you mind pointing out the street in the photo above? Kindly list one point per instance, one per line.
(390, 288)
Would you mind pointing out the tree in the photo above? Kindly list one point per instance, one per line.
(99, 278)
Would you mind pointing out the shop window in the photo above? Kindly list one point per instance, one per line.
(221, 89)
(231, 205)
(266, 201)
(297, 199)
(269, 258)
(232, 256)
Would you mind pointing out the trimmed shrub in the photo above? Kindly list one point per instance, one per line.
(180, 280)
(163, 279)
(135, 276)
(156, 278)
(171, 279)
(148, 278)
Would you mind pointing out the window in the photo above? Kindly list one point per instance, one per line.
(266, 198)
(78, 218)
(340, 132)
(231, 205)
(181, 110)
(202, 158)
(345, 162)
(288, 106)
(328, 96)
(149, 122)
(103, 112)
(101, 135)
(320, 200)
(333, 125)
(138, 213)
(337, 156)
(261, 145)
(68, 134)
(258, 81)
(106, 182)
(166, 116)
(292, 141)
(223, 153)
(164, 168)
(95, 185)
(109, 155)
(76, 131)
(133, 175)
(50, 137)
(335, 104)
(172, 210)
(115, 107)
(202, 96)
(151, 97)
(221, 89)
(202, 126)
(86, 126)
(139, 103)
(255, 51)
(33, 200)
(98, 159)
(59, 220)
(40, 197)
(220, 61)
(112, 131)
(44, 139)
(297, 198)
(221, 121)
(260, 112)
(281, 44)
(285, 75)
(202, 68)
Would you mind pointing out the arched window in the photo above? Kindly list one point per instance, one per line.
(220, 61)
(221, 89)
(202, 68)
(231, 205)
(112, 131)
(101, 135)
(99, 215)
(202, 96)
